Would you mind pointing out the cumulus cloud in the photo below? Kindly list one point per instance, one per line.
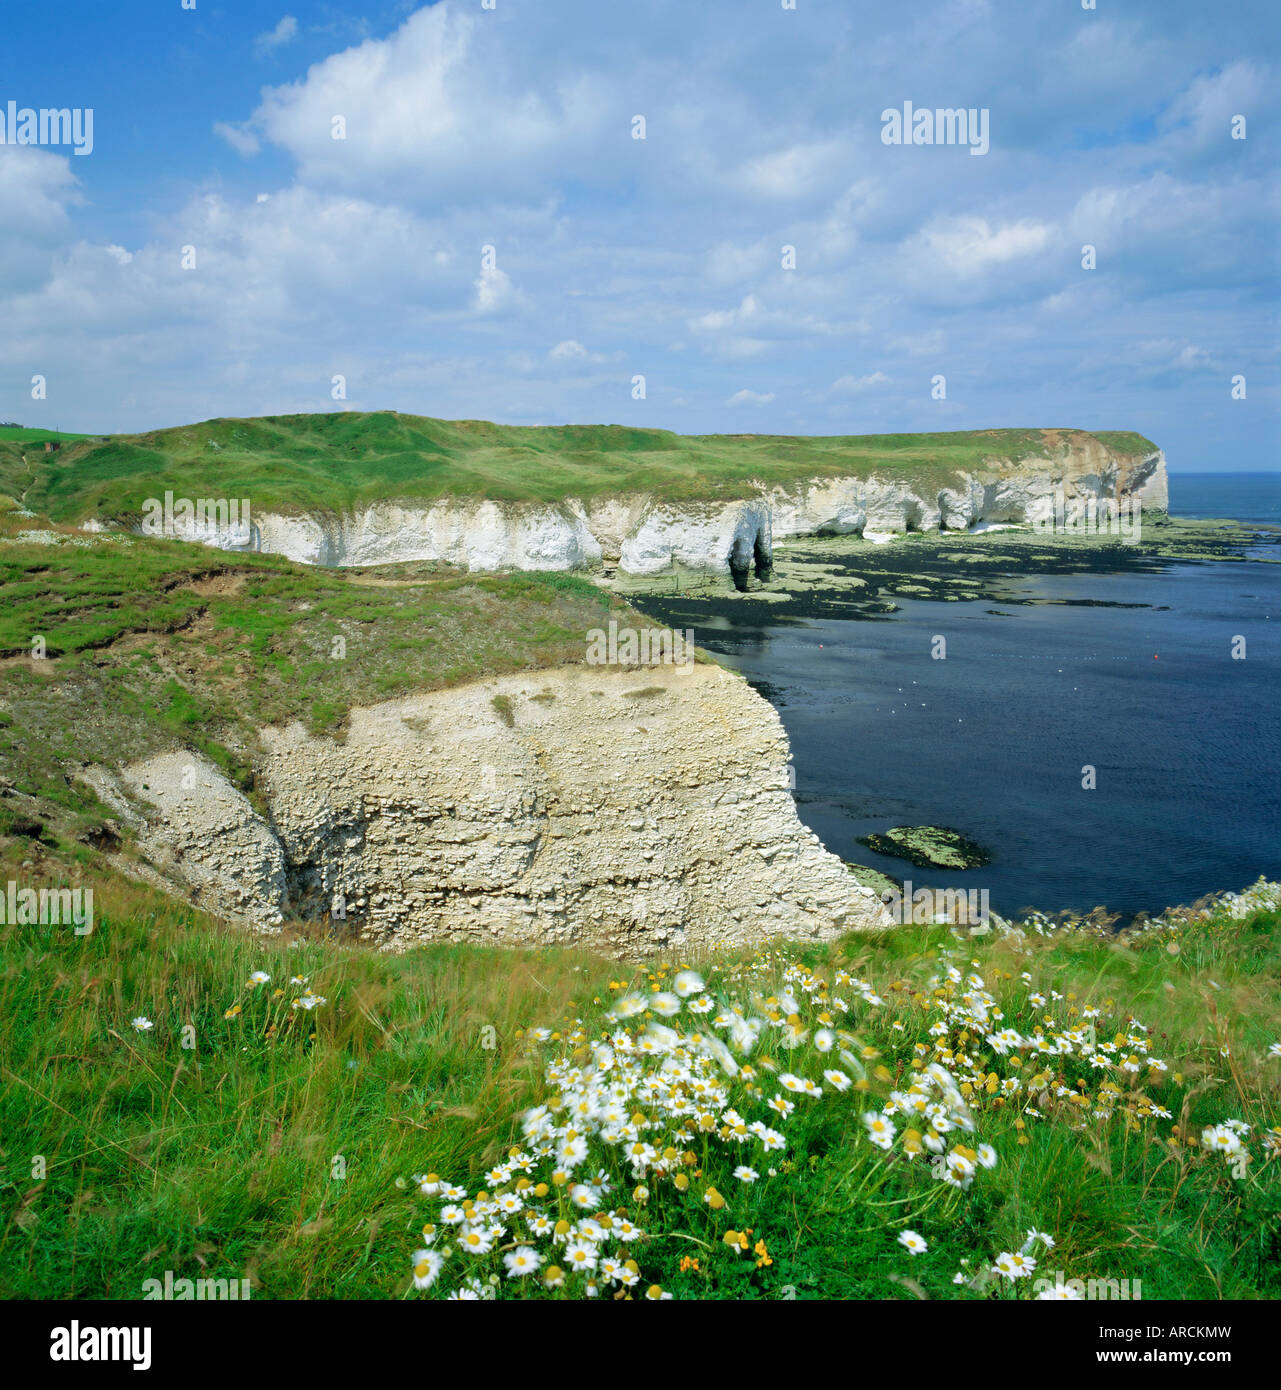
(37, 194)
(746, 397)
(435, 109)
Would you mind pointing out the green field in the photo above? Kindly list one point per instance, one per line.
(338, 461)
(245, 1137)
(21, 434)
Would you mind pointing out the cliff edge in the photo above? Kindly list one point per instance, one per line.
(630, 812)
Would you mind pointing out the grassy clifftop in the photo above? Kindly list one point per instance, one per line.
(345, 459)
(140, 645)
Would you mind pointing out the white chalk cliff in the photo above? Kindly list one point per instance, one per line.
(630, 812)
(641, 535)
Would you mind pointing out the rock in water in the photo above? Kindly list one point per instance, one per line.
(929, 847)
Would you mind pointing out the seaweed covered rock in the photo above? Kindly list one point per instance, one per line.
(929, 847)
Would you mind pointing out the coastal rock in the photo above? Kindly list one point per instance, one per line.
(202, 831)
(640, 535)
(557, 807)
(929, 847)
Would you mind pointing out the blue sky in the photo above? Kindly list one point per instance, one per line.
(614, 257)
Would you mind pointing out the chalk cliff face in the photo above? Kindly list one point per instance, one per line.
(632, 812)
(640, 535)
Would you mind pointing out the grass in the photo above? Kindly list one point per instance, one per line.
(152, 644)
(342, 460)
(22, 434)
(223, 1153)
(231, 1148)
(241, 1137)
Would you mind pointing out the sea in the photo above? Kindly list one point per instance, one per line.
(1115, 743)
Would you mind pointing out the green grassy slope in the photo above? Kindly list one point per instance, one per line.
(339, 460)
(24, 434)
(244, 1138)
(151, 644)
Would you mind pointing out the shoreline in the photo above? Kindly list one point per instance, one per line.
(818, 586)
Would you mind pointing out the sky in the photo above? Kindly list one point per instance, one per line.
(487, 238)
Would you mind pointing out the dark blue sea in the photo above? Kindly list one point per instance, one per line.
(1184, 740)
(1254, 497)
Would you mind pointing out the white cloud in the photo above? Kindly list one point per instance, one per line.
(717, 320)
(437, 110)
(968, 246)
(239, 137)
(36, 188)
(493, 290)
(1202, 114)
(1193, 358)
(852, 385)
(37, 192)
(284, 32)
(793, 173)
(662, 257)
